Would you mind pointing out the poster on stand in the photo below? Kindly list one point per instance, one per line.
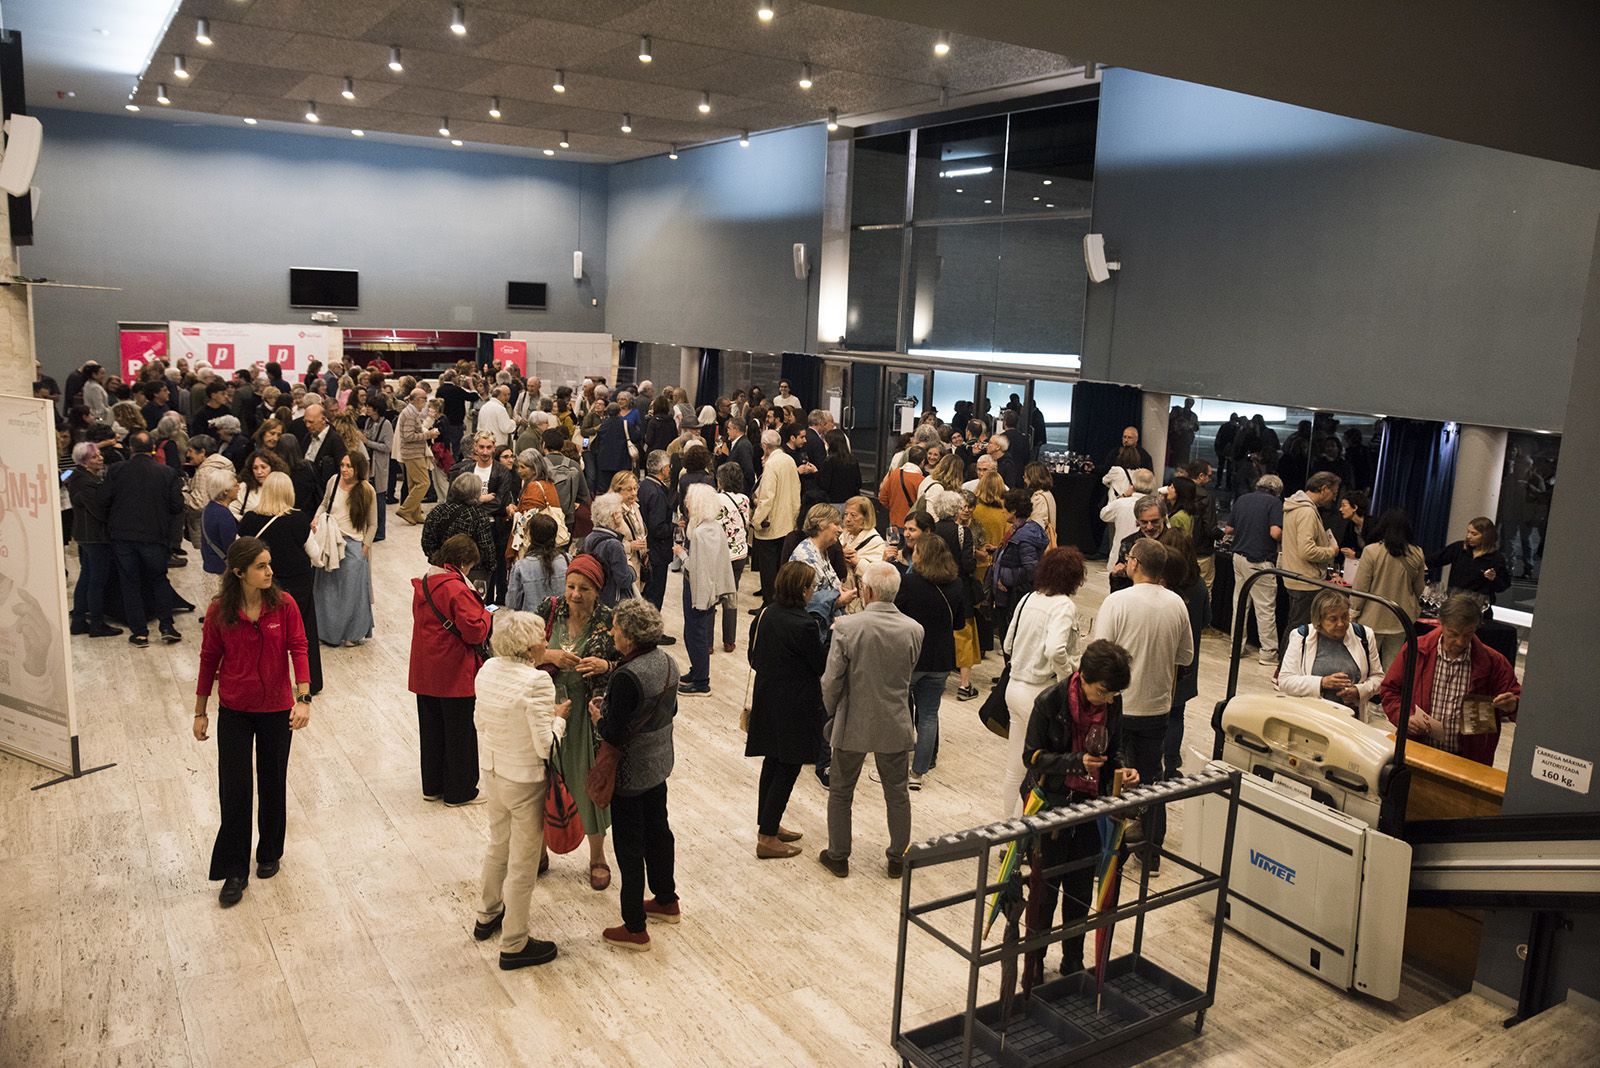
(138, 348)
(229, 347)
(36, 709)
(511, 354)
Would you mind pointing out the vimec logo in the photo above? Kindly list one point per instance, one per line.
(1274, 868)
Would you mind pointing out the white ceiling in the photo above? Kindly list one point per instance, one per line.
(270, 57)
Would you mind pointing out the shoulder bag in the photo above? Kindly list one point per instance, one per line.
(324, 547)
(480, 649)
(563, 829)
(750, 678)
(995, 713)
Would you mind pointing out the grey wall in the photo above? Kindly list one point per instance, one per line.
(699, 247)
(203, 223)
(1276, 254)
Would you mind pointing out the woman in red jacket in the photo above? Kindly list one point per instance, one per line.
(252, 635)
(449, 625)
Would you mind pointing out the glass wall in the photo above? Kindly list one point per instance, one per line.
(1526, 488)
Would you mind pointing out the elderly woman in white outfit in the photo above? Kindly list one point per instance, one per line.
(518, 724)
(1331, 657)
(1044, 641)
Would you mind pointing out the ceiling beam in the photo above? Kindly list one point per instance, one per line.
(1517, 76)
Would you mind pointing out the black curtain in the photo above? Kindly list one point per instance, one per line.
(710, 378)
(627, 363)
(486, 351)
(1100, 411)
(803, 372)
(1417, 471)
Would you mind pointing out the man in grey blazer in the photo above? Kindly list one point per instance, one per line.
(870, 661)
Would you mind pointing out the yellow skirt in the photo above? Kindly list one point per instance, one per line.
(968, 652)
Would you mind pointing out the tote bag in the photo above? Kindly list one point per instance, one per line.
(563, 830)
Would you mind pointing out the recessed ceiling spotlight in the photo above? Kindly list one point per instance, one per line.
(764, 11)
(988, 202)
(705, 102)
(805, 76)
(1049, 205)
(744, 139)
(131, 107)
(565, 142)
(627, 123)
(960, 190)
(560, 84)
(644, 49)
(456, 141)
(494, 107)
(180, 66)
(249, 121)
(458, 20)
(161, 95)
(674, 153)
(202, 31)
(941, 44)
(549, 151)
(311, 112)
(349, 90)
(833, 119)
(1037, 198)
(1047, 181)
(444, 126)
(394, 59)
(358, 133)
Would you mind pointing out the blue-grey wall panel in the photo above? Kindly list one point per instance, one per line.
(204, 222)
(699, 247)
(1277, 254)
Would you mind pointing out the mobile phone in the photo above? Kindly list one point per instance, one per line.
(66, 475)
(491, 608)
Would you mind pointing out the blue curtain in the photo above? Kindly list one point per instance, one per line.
(804, 374)
(710, 378)
(1099, 413)
(1417, 471)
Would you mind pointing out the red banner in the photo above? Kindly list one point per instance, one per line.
(139, 347)
(511, 354)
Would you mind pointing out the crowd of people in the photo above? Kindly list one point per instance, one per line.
(538, 648)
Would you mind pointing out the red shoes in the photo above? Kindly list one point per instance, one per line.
(623, 938)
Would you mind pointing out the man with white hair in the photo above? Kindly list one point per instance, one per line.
(777, 508)
(415, 434)
(495, 418)
(870, 661)
(324, 448)
(528, 402)
(985, 463)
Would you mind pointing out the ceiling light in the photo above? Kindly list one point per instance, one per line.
(1049, 205)
(358, 133)
(627, 123)
(549, 151)
(744, 139)
(1048, 182)
(1036, 198)
(962, 172)
(941, 44)
(202, 31)
(444, 126)
(705, 102)
(456, 141)
(458, 20)
(311, 111)
(988, 202)
(805, 76)
(249, 122)
(674, 153)
(833, 119)
(565, 142)
(161, 95)
(560, 84)
(764, 11)
(494, 107)
(644, 49)
(394, 59)
(960, 190)
(349, 90)
(131, 107)
(180, 67)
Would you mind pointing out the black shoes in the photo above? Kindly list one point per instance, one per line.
(266, 869)
(822, 777)
(667, 639)
(483, 931)
(139, 641)
(840, 866)
(79, 626)
(692, 689)
(533, 952)
(170, 635)
(104, 630)
(232, 891)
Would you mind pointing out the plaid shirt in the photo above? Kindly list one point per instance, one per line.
(1451, 678)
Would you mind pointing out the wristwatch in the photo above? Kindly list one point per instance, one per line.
(304, 699)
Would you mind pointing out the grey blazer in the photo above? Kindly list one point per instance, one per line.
(866, 686)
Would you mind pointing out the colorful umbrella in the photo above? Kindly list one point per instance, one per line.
(1008, 863)
(1107, 890)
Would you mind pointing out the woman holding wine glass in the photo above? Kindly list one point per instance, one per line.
(1073, 736)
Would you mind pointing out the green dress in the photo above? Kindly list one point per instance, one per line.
(582, 743)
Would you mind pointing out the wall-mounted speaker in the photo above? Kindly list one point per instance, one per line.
(802, 263)
(1094, 258)
(24, 136)
(577, 266)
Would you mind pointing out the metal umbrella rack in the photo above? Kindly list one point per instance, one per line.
(1073, 1017)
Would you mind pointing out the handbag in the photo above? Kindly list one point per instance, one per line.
(518, 544)
(480, 649)
(995, 714)
(324, 547)
(563, 829)
(602, 784)
(750, 679)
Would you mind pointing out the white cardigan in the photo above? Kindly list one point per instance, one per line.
(1298, 679)
(515, 716)
(1044, 640)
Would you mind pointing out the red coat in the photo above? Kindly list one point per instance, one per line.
(1491, 674)
(249, 662)
(443, 663)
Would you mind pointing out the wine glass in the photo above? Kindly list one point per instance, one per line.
(1096, 741)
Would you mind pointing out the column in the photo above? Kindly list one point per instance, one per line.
(1153, 430)
(1480, 465)
(689, 370)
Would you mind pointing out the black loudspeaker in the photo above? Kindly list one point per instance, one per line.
(15, 103)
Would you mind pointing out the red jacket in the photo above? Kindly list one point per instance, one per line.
(249, 662)
(443, 663)
(1491, 674)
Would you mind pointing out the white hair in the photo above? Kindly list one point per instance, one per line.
(1001, 440)
(947, 504)
(771, 439)
(701, 504)
(986, 462)
(607, 510)
(882, 579)
(515, 633)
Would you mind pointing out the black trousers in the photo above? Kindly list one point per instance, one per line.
(768, 554)
(645, 850)
(241, 736)
(777, 782)
(1073, 888)
(1144, 741)
(659, 555)
(449, 743)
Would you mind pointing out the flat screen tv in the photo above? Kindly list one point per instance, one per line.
(526, 295)
(324, 287)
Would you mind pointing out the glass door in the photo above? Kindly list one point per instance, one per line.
(905, 395)
(996, 394)
(853, 393)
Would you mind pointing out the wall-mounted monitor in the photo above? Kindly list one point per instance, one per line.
(324, 287)
(525, 296)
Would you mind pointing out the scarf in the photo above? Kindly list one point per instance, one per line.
(1083, 715)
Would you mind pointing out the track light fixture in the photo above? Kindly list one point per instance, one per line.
(805, 76)
(833, 119)
(394, 59)
(250, 121)
(202, 31)
(161, 95)
(444, 126)
(644, 49)
(560, 84)
(627, 123)
(180, 66)
(130, 106)
(458, 20)
(358, 133)
(765, 11)
(349, 90)
(744, 139)
(494, 107)
(705, 102)
(674, 153)
(941, 44)
(565, 141)
(311, 112)
(457, 142)
(549, 151)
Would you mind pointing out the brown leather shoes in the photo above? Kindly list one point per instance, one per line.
(773, 849)
(786, 835)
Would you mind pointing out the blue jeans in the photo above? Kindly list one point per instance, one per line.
(927, 690)
(139, 562)
(89, 595)
(699, 630)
